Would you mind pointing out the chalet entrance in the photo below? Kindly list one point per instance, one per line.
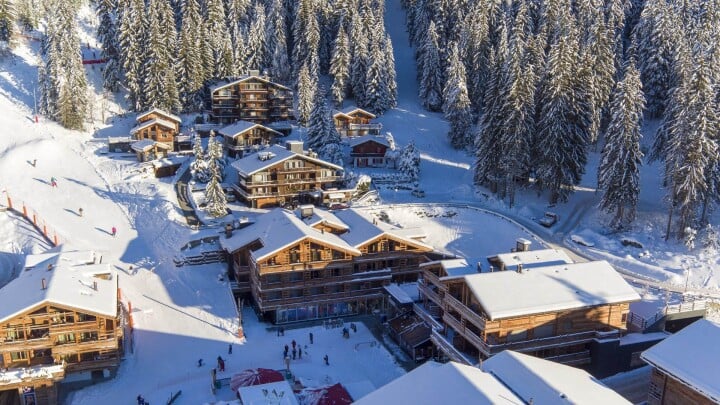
(10, 397)
(326, 310)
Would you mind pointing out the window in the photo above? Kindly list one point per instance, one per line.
(315, 274)
(517, 335)
(272, 278)
(14, 356)
(66, 338)
(294, 256)
(623, 319)
(335, 272)
(543, 331)
(338, 255)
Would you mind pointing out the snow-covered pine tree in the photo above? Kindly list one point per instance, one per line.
(561, 146)
(619, 171)
(198, 167)
(159, 87)
(215, 154)
(277, 40)
(376, 88)
(456, 104)
(306, 89)
(72, 101)
(189, 63)
(256, 47)
(431, 80)
(28, 13)
(321, 129)
(107, 35)
(306, 36)
(333, 153)
(409, 161)
(359, 59)
(7, 23)
(390, 75)
(340, 67)
(130, 34)
(215, 30)
(216, 203)
(599, 54)
(475, 46)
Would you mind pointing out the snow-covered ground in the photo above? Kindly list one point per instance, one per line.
(182, 314)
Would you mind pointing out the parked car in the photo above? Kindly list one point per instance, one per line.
(338, 206)
(549, 219)
(418, 193)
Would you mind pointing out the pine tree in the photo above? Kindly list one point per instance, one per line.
(340, 67)
(376, 97)
(7, 22)
(389, 75)
(619, 172)
(256, 47)
(214, 193)
(28, 12)
(456, 104)
(107, 34)
(72, 100)
(190, 71)
(130, 34)
(321, 129)
(198, 167)
(159, 88)
(359, 59)
(277, 40)
(431, 81)
(306, 89)
(409, 162)
(215, 32)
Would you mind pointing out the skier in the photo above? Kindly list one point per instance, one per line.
(113, 231)
(34, 162)
(311, 338)
(221, 364)
(200, 363)
(327, 362)
(141, 400)
(53, 182)
(230, 348)
(80, 211)
(293, 344)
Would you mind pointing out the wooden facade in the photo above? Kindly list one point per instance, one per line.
(355, 122)
(158, 126)
(666, 390)
(370, 153)
(313, 279)
(61, 340)
(562, 336)
(286, 181)
(250, 98)
(256, 136)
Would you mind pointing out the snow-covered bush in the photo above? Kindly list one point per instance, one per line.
(409, 161)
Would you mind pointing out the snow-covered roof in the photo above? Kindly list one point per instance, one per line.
(351, 109)
(321, 216)
(362, 230)
(279, 229)
(453, 267)
(242, 79)
(546, 382)
(240, 127)
(691, 356)
(165, 123)
(267, 157)
(535, 258)
(505, 294)
(147, 144)
(69, 283)
(279, 393)
(398, 293)
(160, 112)
(382, 140)
(435, 383)
(169, 161)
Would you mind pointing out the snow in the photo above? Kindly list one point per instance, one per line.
(240, 127)
(273, 155)
(534, 258)
(159, 121)
(505, 294)
(691, 356)
(632, 338)
(147, 144)
(450, 383)
(276, 393)
(159, 112)
(363, 230)
(399, 294)
(453, 267)
(349, 110)
(546, 382)
(241, 79)
(382, 140)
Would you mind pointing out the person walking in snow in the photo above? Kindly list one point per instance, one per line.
(300, 353)
(293, 344)
(311, 338)
(113, 231)
(53, 182)
(221, 364)
(230, 348)
(327, 361)
(80, 211)
(294, 352)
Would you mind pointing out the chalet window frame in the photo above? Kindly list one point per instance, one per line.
(17, 356)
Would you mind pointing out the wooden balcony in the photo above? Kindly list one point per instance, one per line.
(369, 126)
(75, 347)
(464, 311)
(21, 344)
(466, 333)
(93, 365)
(430, 294)
(447, 348)
(266, 305)
(427, 317)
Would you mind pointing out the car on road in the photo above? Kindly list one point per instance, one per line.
(549, 219)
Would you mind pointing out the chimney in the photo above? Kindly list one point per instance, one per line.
(306, 211)
(95, 285)
(522, 245)
(228, 230)
(294, 146)
(44, 284)
(519, 268)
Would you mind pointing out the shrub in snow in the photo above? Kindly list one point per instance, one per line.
(689, 237)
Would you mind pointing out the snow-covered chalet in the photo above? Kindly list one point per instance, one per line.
(250, 97)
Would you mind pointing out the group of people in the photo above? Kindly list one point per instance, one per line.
(296, 351)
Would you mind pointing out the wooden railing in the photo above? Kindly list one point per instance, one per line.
(430, 294)
(468, 334)
(464, 311)
(642, 322)
(447, 348)
(427, 317)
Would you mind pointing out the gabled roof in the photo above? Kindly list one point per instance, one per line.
(242, 79)
(369, 138)
(280, 229)
(691, 356)
(273, 155)
(321, 216)
(160, 112)
(347, 111)
(546, 382)
(159, 121)
(453, 267)
(362, 230)
(240, 127)
(147, 144)
(506, 294)
(68, 284)
(535, 258)
(435, 383)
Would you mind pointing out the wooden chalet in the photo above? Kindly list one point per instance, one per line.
(244, 136)
(157, 125)
(147, 150)
(353, 121)
(61, 315)
(313, 264)
(251, 97)
(278, 175)
(551, 312)
(686, 366)
(370, 151)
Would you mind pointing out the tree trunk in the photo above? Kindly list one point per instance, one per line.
(669, 223)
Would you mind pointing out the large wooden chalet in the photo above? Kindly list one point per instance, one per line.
(313, 264)
(278, 175)
(61, 315)
(370, 151)
(353, 121)
(686, 366)
(251, 97)
(154, 134)
(552, 311)
(244, 136)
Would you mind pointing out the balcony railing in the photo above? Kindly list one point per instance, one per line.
(466, 333)
(427, 317)
(447, 348)
(376, 126)
(464, 311)
(430, 294)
